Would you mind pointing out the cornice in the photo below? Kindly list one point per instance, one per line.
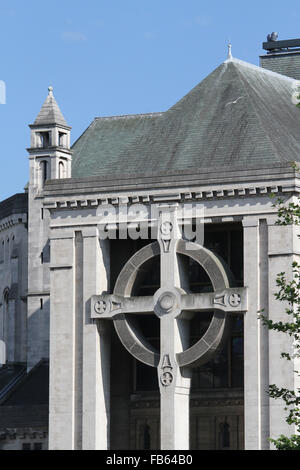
(182, 186)
(12, 220)
(202, 194)
(38, 432)
(46, 150)
(49, 126)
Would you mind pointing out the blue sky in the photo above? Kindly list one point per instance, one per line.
(117, 57)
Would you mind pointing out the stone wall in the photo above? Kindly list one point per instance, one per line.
(13, 279)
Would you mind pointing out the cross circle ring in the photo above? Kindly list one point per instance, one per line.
(204, 349)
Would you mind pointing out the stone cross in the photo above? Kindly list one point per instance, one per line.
(172, 303)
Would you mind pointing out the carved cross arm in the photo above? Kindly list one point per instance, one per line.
(228, 300)
(108, 306)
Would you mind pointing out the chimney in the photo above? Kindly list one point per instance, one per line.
(282, 56)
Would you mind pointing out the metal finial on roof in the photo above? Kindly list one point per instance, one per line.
(50, 90)
(229, 55)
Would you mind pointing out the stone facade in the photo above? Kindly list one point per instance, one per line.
(263, 246)
(152, 338)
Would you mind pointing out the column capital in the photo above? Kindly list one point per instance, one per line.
(271, 220)
(250, 221)
(284, 240)
(90, 232)
(59, 234)
(165, 207)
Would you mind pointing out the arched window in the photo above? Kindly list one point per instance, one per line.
(4, 327)
(2, 251)
(6, 296)
(62, 139)
(44, 171)
(7, 250)
(61, 170)
(145, 437)
(224, 435)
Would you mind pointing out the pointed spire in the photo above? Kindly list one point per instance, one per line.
(229, 55)
(50, 112)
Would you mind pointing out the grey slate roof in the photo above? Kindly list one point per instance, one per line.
(33, 389)
(100, 145)
(240, 115)
(50, 113)
(17, 204)
(27, 404)
(8, 377)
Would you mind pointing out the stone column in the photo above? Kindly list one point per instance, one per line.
(79, 348)
(96, 346)
(62, 342)
(284, 249)
(255, 335)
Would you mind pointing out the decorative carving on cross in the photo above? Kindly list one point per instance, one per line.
(166, 377)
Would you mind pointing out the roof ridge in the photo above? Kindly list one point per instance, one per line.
(262, 122)
(243, 82)
(124, 116)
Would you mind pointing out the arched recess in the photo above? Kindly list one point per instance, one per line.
(44, 172)
(4, 326)
(61, 169)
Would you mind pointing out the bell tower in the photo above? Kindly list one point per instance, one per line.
(50, 158)
(49, 150)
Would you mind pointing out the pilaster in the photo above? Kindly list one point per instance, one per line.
(284, 249)
(255, 335)
(96, 346)
(62, 343)
(79, 348)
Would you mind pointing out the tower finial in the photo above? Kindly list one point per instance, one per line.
(229, 55)
(50, 90)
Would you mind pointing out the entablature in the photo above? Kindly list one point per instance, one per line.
(12, 220)
(182, 186)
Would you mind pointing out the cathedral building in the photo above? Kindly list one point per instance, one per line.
(134, 265)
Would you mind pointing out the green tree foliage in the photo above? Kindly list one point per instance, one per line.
(298, 97)
(288, 292)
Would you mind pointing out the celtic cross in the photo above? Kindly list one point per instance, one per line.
(172, 303)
